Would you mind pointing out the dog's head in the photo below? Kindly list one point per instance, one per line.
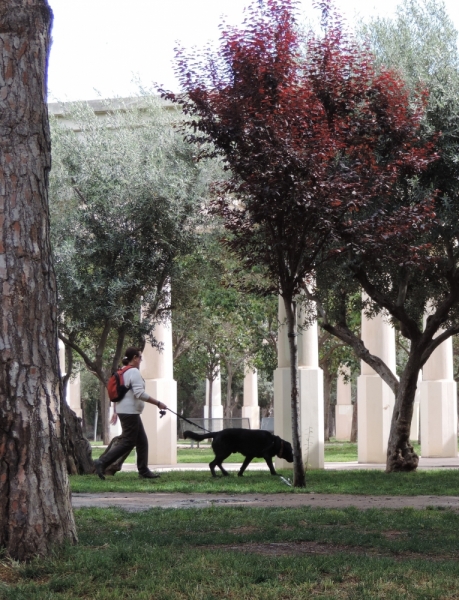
(285, 450)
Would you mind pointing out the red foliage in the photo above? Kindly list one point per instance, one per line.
(320, 145)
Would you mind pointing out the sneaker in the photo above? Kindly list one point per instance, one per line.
(99, 467)
(149, 475)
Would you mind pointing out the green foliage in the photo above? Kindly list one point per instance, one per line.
(217, 323)
(125, 196)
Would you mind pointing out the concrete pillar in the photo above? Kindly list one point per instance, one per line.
(217, 406)
(157, 370)
(73, 392)
(250, 409)
(439, 404)
(61, 350)
(344, 407)
(311, 396)
(375, 398)
(310, 390)
(74, 395)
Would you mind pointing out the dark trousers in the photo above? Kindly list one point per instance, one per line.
(133, 436)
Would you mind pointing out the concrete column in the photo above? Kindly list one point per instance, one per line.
(217, 406)
(439, 404)
(375, 398)
(344, 407)
(73, 392)
(74, 395)
(250, 409)
(310, 390)
(61, 350)
(157, 370)
(311, 396)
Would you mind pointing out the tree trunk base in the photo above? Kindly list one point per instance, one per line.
(402, 459)
(76, 446)
(115, 466)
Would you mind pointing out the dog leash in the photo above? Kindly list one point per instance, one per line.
(163, 412)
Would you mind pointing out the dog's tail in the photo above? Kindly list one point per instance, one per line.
(198, 437)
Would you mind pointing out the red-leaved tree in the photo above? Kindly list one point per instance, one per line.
(311, 135)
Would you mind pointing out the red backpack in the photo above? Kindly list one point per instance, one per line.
(115, 385)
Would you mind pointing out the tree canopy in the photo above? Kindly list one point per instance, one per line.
(319, 144)
(126, 197)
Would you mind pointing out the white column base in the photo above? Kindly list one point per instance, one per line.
(438, 419)
(74, 395)
(311, 414)
(282, 411)
(375, 408)
(161, 432)
(414, 431)
(343, 416)
(253, 414)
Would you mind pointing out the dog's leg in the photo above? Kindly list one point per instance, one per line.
(212, 466)
(219, 459)
(245, 464)
(269, 462)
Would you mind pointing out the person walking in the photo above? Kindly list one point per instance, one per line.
(129, 410)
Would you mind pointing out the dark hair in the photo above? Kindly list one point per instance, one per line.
(129, 354)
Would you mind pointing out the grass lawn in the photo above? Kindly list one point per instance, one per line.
(248, 554)
(440, 482)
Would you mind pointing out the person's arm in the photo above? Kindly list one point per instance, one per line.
(138, 389)
(157, 403)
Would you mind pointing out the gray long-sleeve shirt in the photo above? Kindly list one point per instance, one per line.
(133, 402)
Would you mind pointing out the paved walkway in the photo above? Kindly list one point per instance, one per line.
(144, 501)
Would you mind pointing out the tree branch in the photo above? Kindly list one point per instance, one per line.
(91, 365)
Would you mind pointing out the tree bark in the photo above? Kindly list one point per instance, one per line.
(354, 424)
(400, 453)
(229, 385)
(299, 476)
(327, 390)
(35, 507)
(209, 413)
(76, 446)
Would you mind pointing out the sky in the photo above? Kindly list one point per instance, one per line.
(102, 47)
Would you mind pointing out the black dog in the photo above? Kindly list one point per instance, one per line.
(252, 443)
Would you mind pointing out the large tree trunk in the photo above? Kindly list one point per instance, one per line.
(299, 476)
(400, 453)
(35, 507)
(354, 424)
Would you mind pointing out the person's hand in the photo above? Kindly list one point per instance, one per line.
(114, 419)
(162, 406)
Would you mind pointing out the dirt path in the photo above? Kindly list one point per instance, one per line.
(144, 501)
